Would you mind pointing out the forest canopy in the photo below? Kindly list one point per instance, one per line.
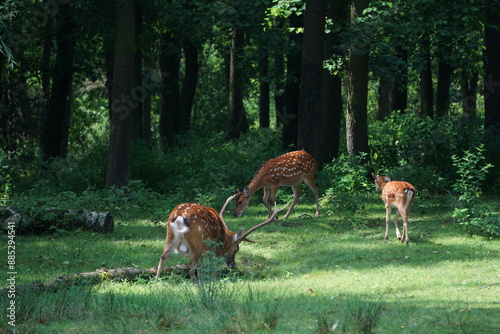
(94, 94)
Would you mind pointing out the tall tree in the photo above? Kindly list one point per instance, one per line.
(237, 121)
(289, 116)
(56, 128)
(264, 93)
(123, 80)
(338, 11)
(169, 62)
(310, 100)
(357, 95)
(492, 68)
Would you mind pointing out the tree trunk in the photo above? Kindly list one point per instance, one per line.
(290, 112)
(98, 276)
(399, 94)
(189, 85)
(138, 91)
(443, 89)
(56, 128)
(237, 120)
(357, 99)
(279, 86)
(121, 103)
(338, 10)
(264, 98)
(492, 69)
(169, 94)
(384, 98)
(426, 88)
(310, 100)
(468, 92)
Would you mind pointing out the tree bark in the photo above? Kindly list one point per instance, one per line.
(264, 94)
(310, 100)
(170, 107)
(332, 104)
(56, 128)
(189, 85)
(443, 89)
(98, 276)
(138, 91)
(426, 87)
(36, 221)
(357, 99)
(492, 69)
(290, 112)
(468, 92)
(384, 98)
(399, 94)
(122, 102)
(237, 120)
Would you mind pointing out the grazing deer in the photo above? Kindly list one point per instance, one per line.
(398, 194)
(191, 225)
(289, 169)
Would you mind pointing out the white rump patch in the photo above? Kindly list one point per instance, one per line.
(179, 225)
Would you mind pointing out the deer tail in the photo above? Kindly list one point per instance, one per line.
(180, 225)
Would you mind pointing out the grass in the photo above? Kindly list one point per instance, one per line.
(308, 275)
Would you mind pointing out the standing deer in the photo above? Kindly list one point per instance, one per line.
(398, 194)
(191, 225)
(289, 169)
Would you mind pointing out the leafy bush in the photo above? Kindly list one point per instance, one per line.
(421, 150)
(477, 219)
(347, 184)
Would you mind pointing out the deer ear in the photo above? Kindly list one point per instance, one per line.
(387, 178)
(374, 175)
(246, 191)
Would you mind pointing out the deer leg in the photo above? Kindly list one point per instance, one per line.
(267, 200)
(405, 237)
(194, 271)
(296, 196)
(387, 220)
(396, 217)
(170, 245)
(314, 188)
(271, 200)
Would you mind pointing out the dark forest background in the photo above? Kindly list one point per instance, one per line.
(187, 98)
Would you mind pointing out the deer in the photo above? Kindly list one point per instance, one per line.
(289, 169)
(192, 229)
(397, 194)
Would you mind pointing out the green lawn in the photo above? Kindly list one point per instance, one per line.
(308, 275)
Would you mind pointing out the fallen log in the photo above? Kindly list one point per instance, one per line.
(36, 221)
(98, 276)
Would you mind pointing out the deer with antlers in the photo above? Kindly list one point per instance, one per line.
(289, 169)
(398, 194)
(191, 225)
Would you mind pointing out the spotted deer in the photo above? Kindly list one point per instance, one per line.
(193, 228)
(398, 194)
(289, 169)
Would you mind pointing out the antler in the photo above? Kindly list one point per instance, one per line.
(272, 218)
(221, 213)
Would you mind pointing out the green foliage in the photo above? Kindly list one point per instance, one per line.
(421, 150)
(346, 184)
(477, 219)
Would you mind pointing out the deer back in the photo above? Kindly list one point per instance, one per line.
(395, 192)
(287, 169)
(202, 227)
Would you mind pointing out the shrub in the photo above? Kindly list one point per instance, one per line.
(477, 219)
(347, 184)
